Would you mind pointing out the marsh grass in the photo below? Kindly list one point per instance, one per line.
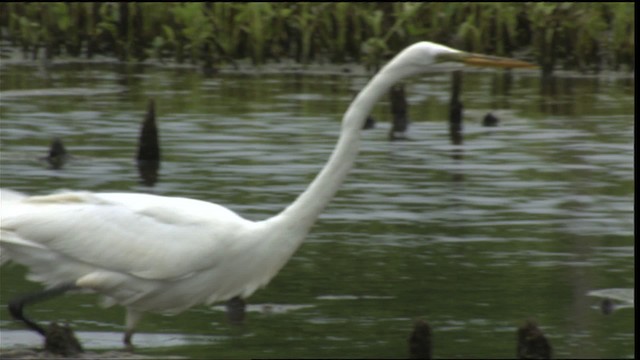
(581, 36)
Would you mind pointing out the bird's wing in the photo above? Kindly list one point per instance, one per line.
(147, 236)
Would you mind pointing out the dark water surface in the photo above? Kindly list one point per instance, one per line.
(519, 222)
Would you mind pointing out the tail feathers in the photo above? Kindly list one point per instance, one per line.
(7, 197)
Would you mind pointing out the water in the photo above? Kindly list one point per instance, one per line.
(519, 222)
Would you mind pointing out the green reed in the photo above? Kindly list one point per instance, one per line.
(580, 36)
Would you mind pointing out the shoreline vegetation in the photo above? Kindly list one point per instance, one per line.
(585, 37)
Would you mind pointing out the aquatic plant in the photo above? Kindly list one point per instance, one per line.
(583, 36)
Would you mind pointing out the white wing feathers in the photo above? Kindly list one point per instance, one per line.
(91, 235)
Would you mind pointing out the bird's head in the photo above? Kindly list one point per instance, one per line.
(418, 57)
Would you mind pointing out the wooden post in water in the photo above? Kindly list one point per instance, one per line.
(148, 156)
(455, 109)
(58, 155)
(400, 122)
(490, 120)
(420, 346)
(61, 340)
(532, 344)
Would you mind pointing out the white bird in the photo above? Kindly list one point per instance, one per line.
(166, 254)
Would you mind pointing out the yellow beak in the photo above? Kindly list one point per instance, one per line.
(495, 61)
(487, 60)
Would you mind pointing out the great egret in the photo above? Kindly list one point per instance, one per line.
(166, 254)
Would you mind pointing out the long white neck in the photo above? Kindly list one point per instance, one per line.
(298, 217)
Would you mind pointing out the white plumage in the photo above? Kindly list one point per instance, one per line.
(166, 254)
(146, 252)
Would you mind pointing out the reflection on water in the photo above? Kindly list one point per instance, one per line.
(107, 340)
(521, 221)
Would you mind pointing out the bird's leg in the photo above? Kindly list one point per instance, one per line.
(16, 305)
(133, 317)
(128, 334)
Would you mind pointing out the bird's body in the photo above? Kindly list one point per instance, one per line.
(166, 254)
(170, 243)
(145, 252)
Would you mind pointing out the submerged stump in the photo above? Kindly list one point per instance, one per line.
(400, 122)
(61, 340)
(455, 109)
(148, 143)
(148, 155)
(532, 344)
(369, 123)
(420, 341)
(58, 155)
(490, 120)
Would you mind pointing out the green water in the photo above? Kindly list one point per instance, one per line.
(519, 222)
